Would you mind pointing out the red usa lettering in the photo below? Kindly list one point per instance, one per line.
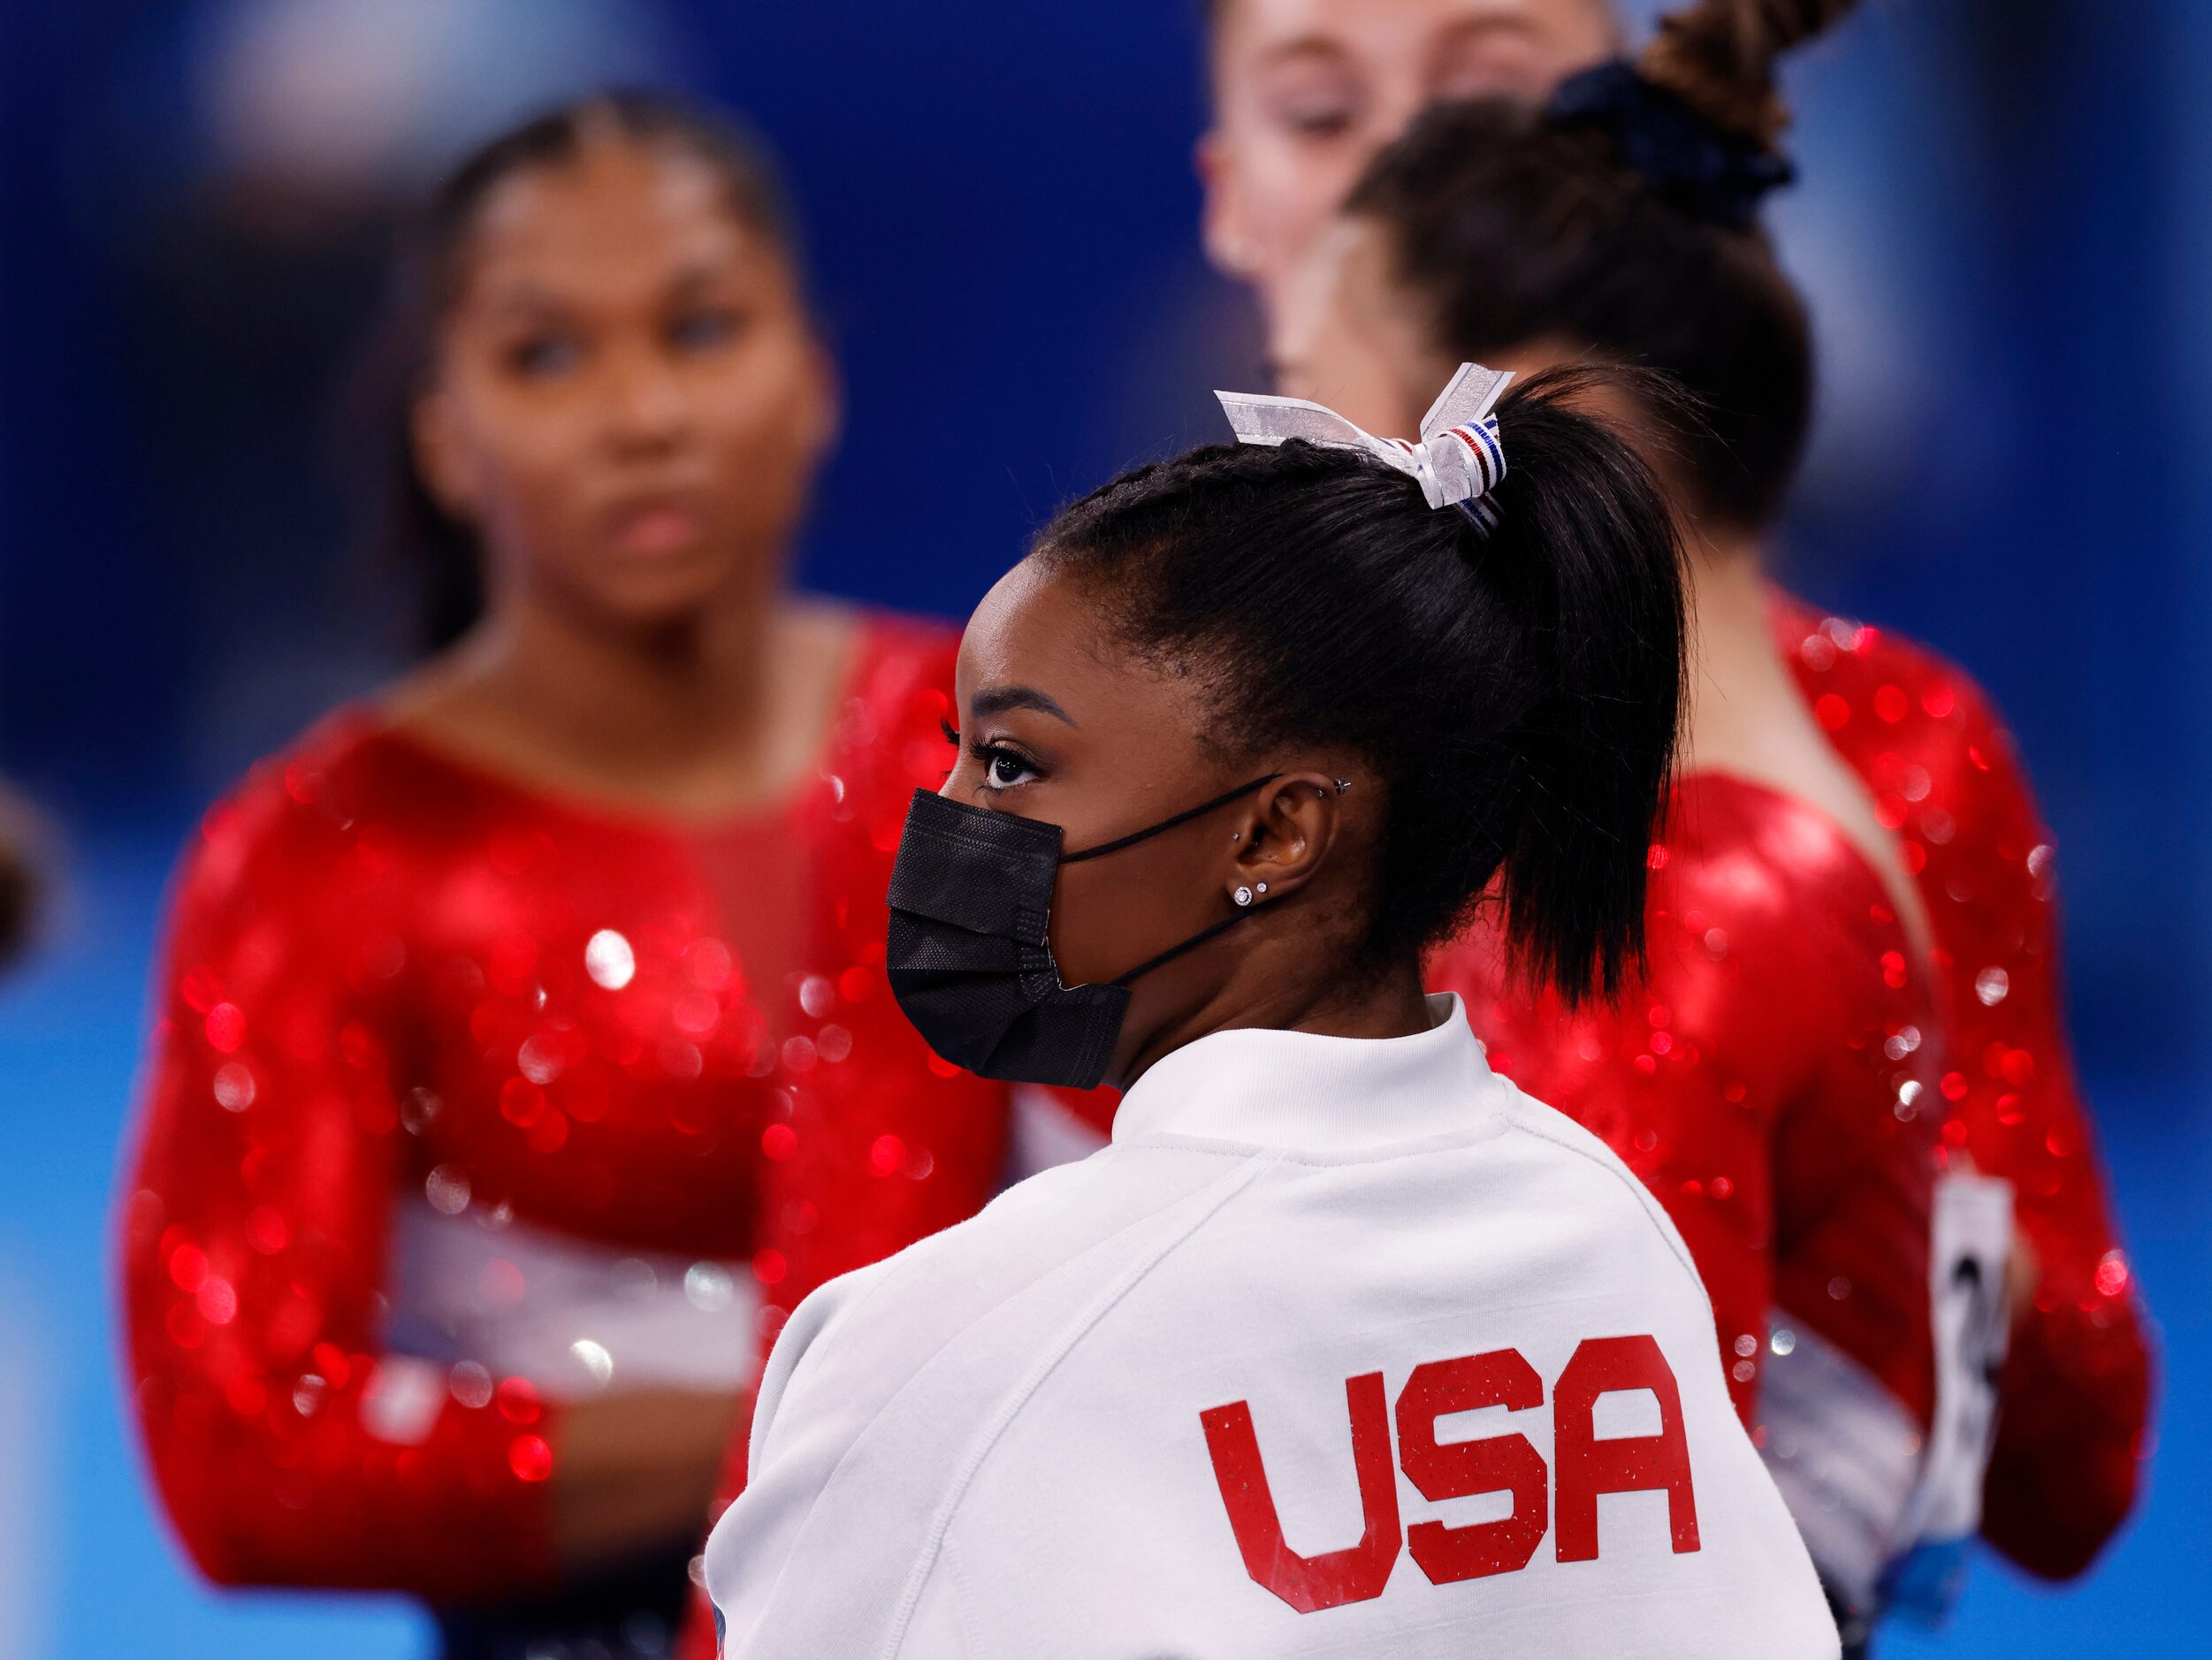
(1507, 1463)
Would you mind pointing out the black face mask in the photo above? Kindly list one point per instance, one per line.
(968, 960)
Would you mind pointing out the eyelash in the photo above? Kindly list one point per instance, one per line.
(544, 356)
(988, 754)
(707, 329)
(1320, 123)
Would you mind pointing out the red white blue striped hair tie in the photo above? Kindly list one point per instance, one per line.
(1457, 463)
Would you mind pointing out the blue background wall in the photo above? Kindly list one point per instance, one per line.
(2004, 225)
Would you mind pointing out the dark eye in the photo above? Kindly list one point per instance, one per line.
(704, 330)
(1005, 768)
(545, 357)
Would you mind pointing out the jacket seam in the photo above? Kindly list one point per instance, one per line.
(963, 1600)
(1391, 1152)
(1653, 1211)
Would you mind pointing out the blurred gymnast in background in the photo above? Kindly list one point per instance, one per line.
(522, 1048)
(1306, 91)
(1835, 769)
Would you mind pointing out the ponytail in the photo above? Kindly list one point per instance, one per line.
(1516, 693)
(1590, 544)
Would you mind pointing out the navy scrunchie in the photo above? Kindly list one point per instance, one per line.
(1701, 168)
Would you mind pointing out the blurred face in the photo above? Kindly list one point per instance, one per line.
(1346, 335)
(627, 401)
(1306, 91)
(1059, 723)
(1350, 336)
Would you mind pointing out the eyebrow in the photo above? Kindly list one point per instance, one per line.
(526, 297)
(697, 274)
(1465, 29)
(523, 299)
(1307, 47)
(997, 700)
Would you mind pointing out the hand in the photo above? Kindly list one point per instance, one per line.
(636, 1472)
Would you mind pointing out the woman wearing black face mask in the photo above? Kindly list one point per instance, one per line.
(1247, 731)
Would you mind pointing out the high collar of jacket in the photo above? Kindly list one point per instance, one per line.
(1307, 1093)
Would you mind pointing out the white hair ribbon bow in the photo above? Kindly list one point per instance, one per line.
(1457, 463)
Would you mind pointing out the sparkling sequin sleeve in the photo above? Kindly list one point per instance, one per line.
(2075, 1395)
(286, 1448)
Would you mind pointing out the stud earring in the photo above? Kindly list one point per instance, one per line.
(1244, 895)
(1262, 887)
(1343, 784)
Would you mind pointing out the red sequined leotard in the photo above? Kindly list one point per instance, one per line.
(2074, 1394)
(1771, 1080)
(463, 1102)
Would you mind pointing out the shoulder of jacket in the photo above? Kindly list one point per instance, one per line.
(1571, 1142)
(854, 1345)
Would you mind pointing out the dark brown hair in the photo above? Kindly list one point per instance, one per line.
(1517, 225)
(1719, 58)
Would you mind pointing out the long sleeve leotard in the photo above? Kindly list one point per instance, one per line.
(463, 1102)
(2074, 1398)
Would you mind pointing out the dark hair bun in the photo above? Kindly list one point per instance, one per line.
(1718, 56)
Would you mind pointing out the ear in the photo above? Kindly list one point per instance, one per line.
(1286, 835)
(1223, 226)
(440, 455)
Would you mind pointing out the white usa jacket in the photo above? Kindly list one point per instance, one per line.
(1343, 1347)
